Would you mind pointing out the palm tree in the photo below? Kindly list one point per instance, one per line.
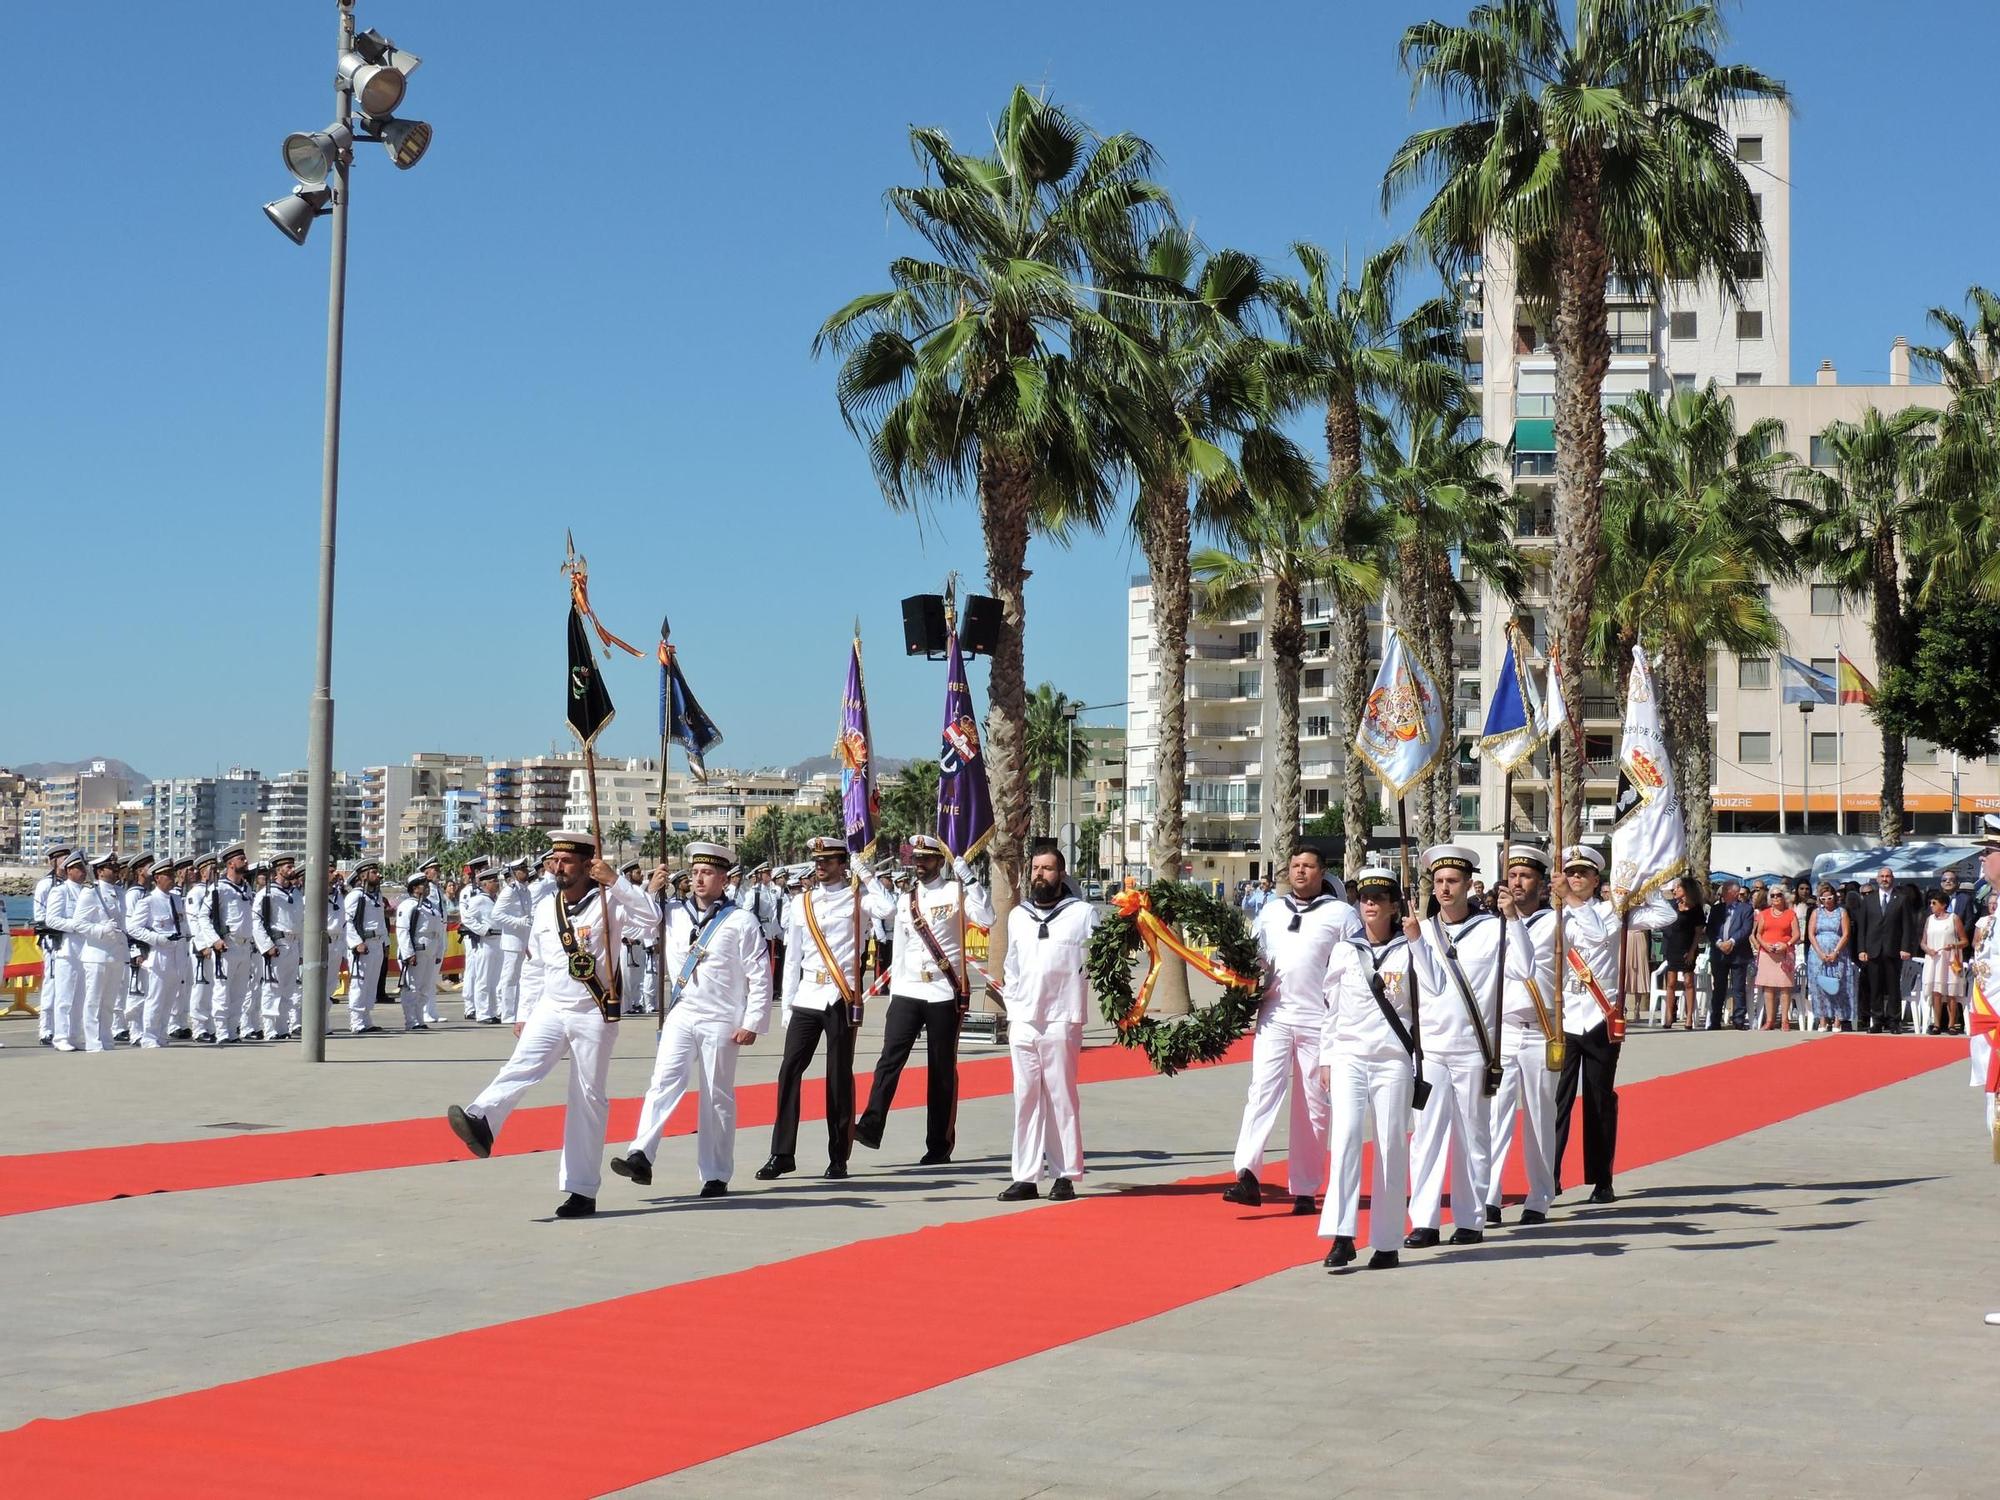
(983, 370)
(1347, 351)
(1857, 519)
(1591, 153)
(1957, 539)
(1290, 544)
(1697, 520)
(620, 835)
(1436, 481)
(909, 803)
(1047, 742)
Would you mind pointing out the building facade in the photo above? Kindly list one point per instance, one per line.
(730, 802)
(193, 813)
(529, 794)
(402, 807)
(281, 817)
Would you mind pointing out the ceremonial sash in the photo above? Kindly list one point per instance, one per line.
(1583, 972)
(1489, 1048)
(1983, 1020)
(703, 934)
(937, 949)
(1542, 1018)
(851, 993)
(582, 964)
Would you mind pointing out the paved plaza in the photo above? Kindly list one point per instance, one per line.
(1796, 1310)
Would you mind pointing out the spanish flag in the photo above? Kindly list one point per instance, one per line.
(1854, 688)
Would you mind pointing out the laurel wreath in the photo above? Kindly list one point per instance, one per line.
(1203, 1035)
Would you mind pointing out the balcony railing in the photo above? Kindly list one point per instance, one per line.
(1224, 690)
(1223, 767)
(1220, 653)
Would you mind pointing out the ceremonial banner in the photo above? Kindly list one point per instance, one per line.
(587, 703)
(1804, 684)
(854, 754)
(1515, 723)
(680, 715)
(1402, 730)
(965, 803)
(1649, 838)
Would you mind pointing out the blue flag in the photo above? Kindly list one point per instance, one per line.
(1805, 684)
(1515, 723)
(681, 717)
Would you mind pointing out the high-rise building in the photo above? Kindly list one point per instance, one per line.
(391, 826)
(13, 799)
(282, 823)
(529, 794)
(730, 802)
(193, 813)
(81, 809)
(628, 793)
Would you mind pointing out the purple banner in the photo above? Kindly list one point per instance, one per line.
(965, 804)
(855, 755)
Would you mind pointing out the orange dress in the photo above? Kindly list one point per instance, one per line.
(1777, 951)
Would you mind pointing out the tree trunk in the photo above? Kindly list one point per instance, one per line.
(1288, 650)
(1350, 636)
(1888, 634)
(1164, 532)
(1684, 715)
(1006, 498)
(1583, 356)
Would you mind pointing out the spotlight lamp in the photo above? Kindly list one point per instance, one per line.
(312, 155)
(294, 215)
(377, 87)
(405, 140)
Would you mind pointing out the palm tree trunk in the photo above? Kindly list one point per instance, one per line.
(1165, 534)
(1350, 635)
(1888, 636)
(1583, 356)
(1006, 498)
(1288, 650)
(1684, 715)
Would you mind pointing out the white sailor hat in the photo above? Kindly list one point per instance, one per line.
(430, 862)
(1377, 882)
(518, 864)
(56, 851)
(1451, 857)
(486, 872)
(206, 857)
(75, 857)
(102, 861)
(229, 852)
(718, 855)
(573, 841)
(415, 877)
(929, 843)
(1582, 857)
(283, 859)
(675, 877)
(828, 846)
(260, 867)
(1529, 855)
(630, 864)
(1989, 831)
(140, 861)
(367, 867)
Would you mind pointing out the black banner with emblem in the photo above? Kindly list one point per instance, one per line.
(587, 702)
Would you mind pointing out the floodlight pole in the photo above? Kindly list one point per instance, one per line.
(316, 977)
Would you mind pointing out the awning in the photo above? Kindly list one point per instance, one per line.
(1534, 435)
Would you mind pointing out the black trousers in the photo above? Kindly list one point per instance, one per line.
(1881, 991)
(1590, 1062)
(801, 1042)
(938, 1020)
(1728, 991)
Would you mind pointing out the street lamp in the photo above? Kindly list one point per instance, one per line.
(370, 78)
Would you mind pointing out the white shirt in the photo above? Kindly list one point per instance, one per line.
(513, 915)
(1043, 980)
(202, 914)
(475, 915)
(1592, 932)
(842, 912)
(1448, 1025)
(155, 919)
(42, 889)
(1354, 1025)
(1517, 1005)
(94, 916)
(947, 908)
(281, 927)
(731, 981)
(362, 917)
(1298, 960)
(56, 909)
(234, 903)
(417, 929)
(545, 976)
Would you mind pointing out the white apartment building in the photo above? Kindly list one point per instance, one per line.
(724, 809)
(529, 794)
(628, 791)
(193, 813)
(82, 810)
(280, 825)
(390, 828)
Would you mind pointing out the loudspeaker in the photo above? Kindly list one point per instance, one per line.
(923, 625)
(979, 629)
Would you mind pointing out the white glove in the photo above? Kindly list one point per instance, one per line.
(104, 932)
(962, 870)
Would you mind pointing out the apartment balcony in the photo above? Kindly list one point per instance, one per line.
(1206, 767)
(1219, 653)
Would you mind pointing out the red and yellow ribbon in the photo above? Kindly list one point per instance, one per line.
(579, 595)
(1154, 933)
(1982, 1020)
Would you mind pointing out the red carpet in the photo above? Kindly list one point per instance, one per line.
(545, 1406)
(62, 1179)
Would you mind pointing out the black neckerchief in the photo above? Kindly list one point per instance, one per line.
(1046, 917)
(1298, 911)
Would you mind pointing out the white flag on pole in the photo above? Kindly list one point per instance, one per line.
(1649, 838)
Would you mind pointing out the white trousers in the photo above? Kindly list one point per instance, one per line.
(1285, 1052)
(1455, 1117)
(132, 1006)
(419, 991)
(1364, 1089)
(635, 977)
(236, 1011)
(361, 968)
(100, 987)
(698, 1054)
(201, 995)
(61, 986)
(1046, 1117)
(549, 1036)
(507, 990)
(156, 1015)
(280, 997)
(484, 982)
(180, 979)
(1528, 1096)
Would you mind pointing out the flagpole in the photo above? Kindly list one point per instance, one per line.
(1556, 727)
(1779, 736)
(1805, 768)
(1839, 749)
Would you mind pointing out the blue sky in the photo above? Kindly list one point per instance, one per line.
(591, 306)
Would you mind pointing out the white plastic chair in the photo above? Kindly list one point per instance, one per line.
(1656, 996)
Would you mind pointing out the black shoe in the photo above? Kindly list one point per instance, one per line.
(1533, 1216)
(295, 1034)
(490, 1021)
(835, 1171)
(635, 1166)
(225, 1041)
(1467, 1237)
(934, 1159)
(1384, 1260)
(121, 1036)
(1063, 1191)
(369, 1030)
(208, 1037)
(1493, 1215)
(1602, 1194)
(420, 1026)
(1342, 1252)
(576, 1206)
(715, 1187)
(1420, 1239)
(776, 1167)
(1303, 1204)
(475, 1132)
(872, 1139)
(1016, 1192)
(1245, 1190)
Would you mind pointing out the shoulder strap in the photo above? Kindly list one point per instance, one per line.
(1404, 1034)
(1449, 948)
(703, 935)
(848, 992)
(583, 965)
(937, 949)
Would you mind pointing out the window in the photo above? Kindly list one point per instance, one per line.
(1534, 404)
(1749, 325)
(1249, 684)
(1683, 381)
(1749, 377)
(1750, 148)
(1827, 665)
(1681, 325)
(1468, 810)
(1825, 599)
(1539, 465)
(1319, 724)
(1318, 799)
(1314, 682)
(1757, 206)
(1753, 672)
(1753, 749)
(1825, 749)
(1819, 454)
(1246, 643)
(1749, 265)
(1919, 753)
(1631, 330)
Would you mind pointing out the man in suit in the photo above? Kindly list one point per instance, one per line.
(1729, 957)
(1879, 948)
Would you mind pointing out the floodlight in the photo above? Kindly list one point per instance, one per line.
(377, 48)
(312, 155)
(405, 140)
(377, 87)
(294, 215)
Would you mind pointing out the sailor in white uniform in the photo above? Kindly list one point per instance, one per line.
(49, 940)
(419, 946)
(1047, 990)
(239, 971)
(93, 919)
(367, 941)
(1527, 1084)
(513, 912)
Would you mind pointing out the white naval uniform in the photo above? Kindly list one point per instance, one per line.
(728, 989)
(419, 945)
(481, 977)
(155, 920)
(815, 1006)
(94, 922)
(274, 930)
(1527, 1085)
(62, 981)
(132, 1008)
(1287, 1044)
(559, 1019)
(50, 946)
(440, 939)
(202, 923)
(1593, 931)
(1985, 966)
(367, 942)
(1456, 1117)
(242, 974)
(1372, 1074)
(1047, 992)
(513, 914)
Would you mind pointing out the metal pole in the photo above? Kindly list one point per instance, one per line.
(1069, 786)
(1805, 774)
(314, 979)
